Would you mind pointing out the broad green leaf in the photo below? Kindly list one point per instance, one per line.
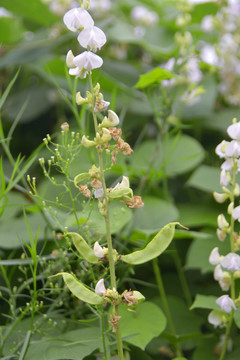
(205, 302)
(220, 120)
(154, 248)
(206, 178)
(154, 214)
(83, 248)
(205, 349)
(174, 156)
(195, 215)
(35, 11)
(154, 76)
(200, 249)
(74, 345)
(141, 326)
(79, 290)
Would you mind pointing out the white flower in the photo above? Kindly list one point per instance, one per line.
(221, 149)
(99, 193)
(236, 213)
(69, 60)
(227, 165)
(214, 257)
(98, 250)
(207, 23)
(215, 318)
(84, 62)
(218, 273)
(123, 184)
(231, 262)
(234, 131)
(193, 71)
(111, 121)
(77, 18)
(209, 55)
(92, 38)
(220, 198)
(100, 288)
(142, 16)
(226, 303)
(224, 180)
(233, 149)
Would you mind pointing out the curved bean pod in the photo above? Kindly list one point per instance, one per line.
(83, 248)
(79, 290)
(80, 177)
(154, 248)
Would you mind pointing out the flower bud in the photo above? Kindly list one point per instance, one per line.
(87, 143)
(98, 250)
(221, 235)
(100, 288)
(230, 208)
(216, 318)
(65, 127)
(123, 184)
(236, 213)
(220, 198)
(222, 222)
(80, 100)
(214, 257)
(69, 60)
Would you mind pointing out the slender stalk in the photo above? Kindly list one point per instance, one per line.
(162, 292)
(224, 349)
(107, 225)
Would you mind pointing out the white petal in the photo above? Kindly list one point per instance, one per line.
(234, 131)
(221, 149)
(100, 288)
(69, 60)
(214, 256)
(226, 303)
(88, 61)
(112, 116)
(76, 18)
(98, 250)
(233, 149)
(231, 262)
(92, 38)
(214, 318)
(218, 273)
(227, 165)
(236, 213)
(222, 222)
(224, 180)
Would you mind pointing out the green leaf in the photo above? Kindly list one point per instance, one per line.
(155, 214)
(195, 215)
(83, 248)
(34, 11)
(206, 178)
(205, 302)
(79, 290)
(174, 156)
(7, 91)
(74, 345)
(154, 248)
(153, 77)
(141, 326)
(11, 30)
(205, 349)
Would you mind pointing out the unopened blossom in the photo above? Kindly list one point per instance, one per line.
(231, 262)
(220, 197)
(100, 288)
(222, 277)
(92, 38)
(221, 234)
(111, 120)
(222, 222)
(98, 250)
(123, 184)
(77, 18)
(214, 257)
(221, 149)
(69, 60)
(226, 303)
(234, 131)
(87, 143)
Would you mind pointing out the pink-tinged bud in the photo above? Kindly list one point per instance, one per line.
(226, 303)
(100, 288)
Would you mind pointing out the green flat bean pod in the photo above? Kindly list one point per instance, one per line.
(83, 248)
(79, 290)
(154, 248)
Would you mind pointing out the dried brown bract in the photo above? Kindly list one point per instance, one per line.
(84, 190)
(135, 202)
(116, 133)
(114, 321)
(95, 183)
(128, 298)
(123, 147)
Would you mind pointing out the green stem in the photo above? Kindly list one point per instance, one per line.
(162, 292)
(182, 277)
(107, 224)
(224, 349)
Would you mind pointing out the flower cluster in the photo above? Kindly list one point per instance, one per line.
(90, 37)
(227, 268)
